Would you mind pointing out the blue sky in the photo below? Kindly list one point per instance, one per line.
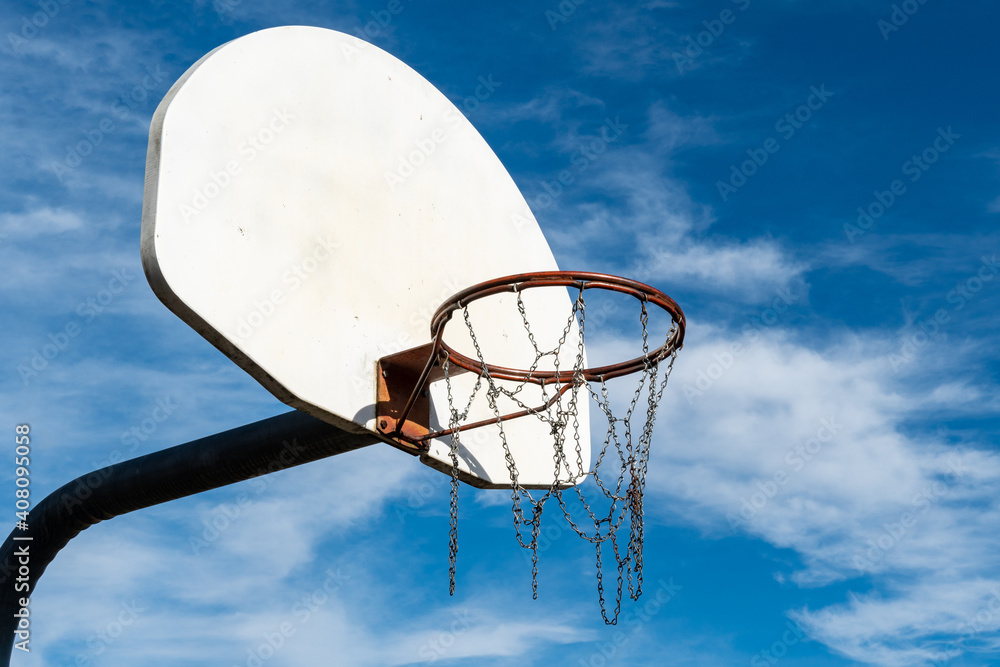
(817, 184)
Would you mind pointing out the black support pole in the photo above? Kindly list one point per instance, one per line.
(256, 449)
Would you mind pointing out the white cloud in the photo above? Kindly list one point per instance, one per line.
(916, 625)
(263, 572)
(670, 131)
(548, 106)
(39, 222)
(625, 203)
(810, 451)
(756, 269)
(929, 592)
(625, 42)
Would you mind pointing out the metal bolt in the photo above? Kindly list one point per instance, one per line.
(383, 424)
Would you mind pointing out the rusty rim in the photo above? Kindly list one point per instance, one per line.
(581, 280)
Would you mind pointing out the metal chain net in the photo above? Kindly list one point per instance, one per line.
(620, 453)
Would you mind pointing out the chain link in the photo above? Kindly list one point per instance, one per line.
(632, 459)
(454, 420)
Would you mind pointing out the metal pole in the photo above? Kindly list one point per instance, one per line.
(249, 451)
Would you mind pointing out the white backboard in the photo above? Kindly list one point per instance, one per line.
(310, 201)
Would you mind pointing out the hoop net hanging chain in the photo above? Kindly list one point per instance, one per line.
(620, 451)
(454, 419)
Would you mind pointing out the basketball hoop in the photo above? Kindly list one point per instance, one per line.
(407, 422)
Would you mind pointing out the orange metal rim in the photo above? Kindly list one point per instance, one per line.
(581, 280)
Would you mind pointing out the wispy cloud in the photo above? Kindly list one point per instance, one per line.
(755, 270)
(811, 451)
(39, 221)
